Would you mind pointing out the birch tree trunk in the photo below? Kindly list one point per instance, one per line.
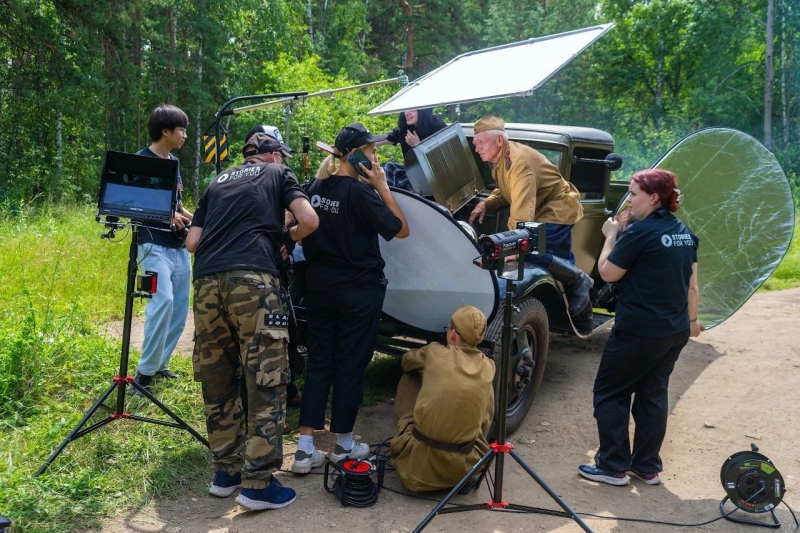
(409, 62)
(310, 22)
(659, 96)
(172, 37)
(769, 75)
(199, 155)
(784, 70)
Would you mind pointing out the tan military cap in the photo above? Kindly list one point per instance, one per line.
(470, 324)
(490, 123)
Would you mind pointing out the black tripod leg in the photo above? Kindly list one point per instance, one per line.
(549, 491)
(180, 422)
(486, 457)
(77, 428)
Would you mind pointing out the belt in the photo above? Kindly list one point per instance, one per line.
(464, 447)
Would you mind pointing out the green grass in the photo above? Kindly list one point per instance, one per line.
(60, 284)
(787, 275)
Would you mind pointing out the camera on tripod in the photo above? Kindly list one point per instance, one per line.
(529, 237)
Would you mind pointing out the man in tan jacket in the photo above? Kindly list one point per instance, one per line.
(536, 192)
(444, 407)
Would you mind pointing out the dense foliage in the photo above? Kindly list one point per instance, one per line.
(80, 76)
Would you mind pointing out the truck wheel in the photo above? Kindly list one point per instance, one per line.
(528, 358)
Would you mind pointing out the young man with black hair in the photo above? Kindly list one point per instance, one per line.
(164, 252)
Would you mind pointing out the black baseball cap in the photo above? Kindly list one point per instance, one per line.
(354, 135)
(260, 143)
(274, 132)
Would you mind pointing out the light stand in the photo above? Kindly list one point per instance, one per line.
(122, 379)
(495, 253)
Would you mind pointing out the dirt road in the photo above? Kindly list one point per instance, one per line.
(738, 383)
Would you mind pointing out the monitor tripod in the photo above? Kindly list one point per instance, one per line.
(122, 379)
(500, 447)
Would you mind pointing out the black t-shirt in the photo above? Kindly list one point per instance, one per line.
(344, 251)
(241, 213)
(658, 253)
(164, 237)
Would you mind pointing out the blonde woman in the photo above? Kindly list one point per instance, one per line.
(346, 287)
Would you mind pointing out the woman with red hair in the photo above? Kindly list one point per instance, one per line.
(653, 261)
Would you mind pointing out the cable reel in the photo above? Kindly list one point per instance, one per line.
(752, 484)
(351, 481)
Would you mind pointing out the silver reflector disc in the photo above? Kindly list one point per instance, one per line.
(431, 272)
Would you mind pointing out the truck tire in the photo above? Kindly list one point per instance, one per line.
(528, 359)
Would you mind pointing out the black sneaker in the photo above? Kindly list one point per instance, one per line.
(167, 373)
(225, 484)
(274, 496)
(144, 381)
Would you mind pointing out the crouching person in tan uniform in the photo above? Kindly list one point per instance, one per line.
(443, 407)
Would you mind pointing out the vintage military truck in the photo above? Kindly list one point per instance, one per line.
(450, 179)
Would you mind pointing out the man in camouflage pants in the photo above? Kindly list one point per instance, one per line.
(240, 320)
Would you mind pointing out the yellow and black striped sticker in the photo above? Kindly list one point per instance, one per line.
(211, 147)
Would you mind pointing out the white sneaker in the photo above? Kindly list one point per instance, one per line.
(360, 450)
(304, 462)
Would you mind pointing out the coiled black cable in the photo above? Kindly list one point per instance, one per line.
(357, 491)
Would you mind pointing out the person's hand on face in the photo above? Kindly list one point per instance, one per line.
(375, 177)
(611, 227)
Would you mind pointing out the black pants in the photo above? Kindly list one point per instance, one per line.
(639, 367)
(342, 329)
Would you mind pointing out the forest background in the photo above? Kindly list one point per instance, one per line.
(78, 77)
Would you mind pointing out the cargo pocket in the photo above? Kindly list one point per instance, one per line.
(273, 358)
(196, 360)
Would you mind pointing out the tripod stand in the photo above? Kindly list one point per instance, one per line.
(500, 447)
(122, 379)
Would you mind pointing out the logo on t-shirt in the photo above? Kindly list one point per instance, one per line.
(677, 239)
(223, 178)
(324, 204)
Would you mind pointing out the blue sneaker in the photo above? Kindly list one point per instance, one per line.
(603, 476)
(225, 484)
(274, 496)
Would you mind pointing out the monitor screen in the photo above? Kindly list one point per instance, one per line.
(138, 187)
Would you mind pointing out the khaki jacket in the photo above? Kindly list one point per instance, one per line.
(533, 187)
(447, 393)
